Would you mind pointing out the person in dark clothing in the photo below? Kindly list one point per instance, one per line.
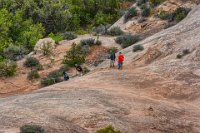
(112, 59)
(79, 69)
(66, 76)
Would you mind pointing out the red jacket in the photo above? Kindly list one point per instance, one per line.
(120, 58)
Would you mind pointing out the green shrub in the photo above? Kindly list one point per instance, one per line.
(102, 18)
(115, 31)
(85, 49)
(127, 40)
(108, 129)
(52, 78)
(57, 38)
(64, 68)
(176, 16)
(113, 49)
(141, 2)
(181, 13)
(31, 129)
(55, 76)
(89, 42)
(179, 56)
(39, 67)
(137, 48)
(81, 32)
(146, 12)
(7, 68)
(165, 15)
(156, 2)
(14, 52)
(47, 81)
(1, 58)
(74, 56)
(31, 62)
(69, 36)
(47, 49)
(102, 29)
(186, 51)
(132, 12)
(33, 75)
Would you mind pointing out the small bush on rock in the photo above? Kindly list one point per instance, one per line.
(33, 75)
(141, 2)
(31, 129)
(102, 29)
(39, 67)
(179, 56)
(176, 16)
(7, 68)
(108, 129)
(181, 13)
(74, 56)
(165, 15)
(132, 12)
(47, 81)
(31, 62)
(57, 38)
(113, 49)
(69, 36)
(146, 12)
(127, 40)
(138, 48)
(53, 78)
(45, 46)
(184, 53)
(64, 68)
(89, 42)
(14, 52)
(156, 2)
(115, 31)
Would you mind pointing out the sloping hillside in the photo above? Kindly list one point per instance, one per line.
(156, 92)
(20, 84)
(147, 26)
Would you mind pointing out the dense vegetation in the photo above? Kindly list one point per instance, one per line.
(24, 22)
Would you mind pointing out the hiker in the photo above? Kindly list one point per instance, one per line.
(66, 76)
(112, 59)
(120, 61)
(79, 69)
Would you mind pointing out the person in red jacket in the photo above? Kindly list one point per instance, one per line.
(120, 61)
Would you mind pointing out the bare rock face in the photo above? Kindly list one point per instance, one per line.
(155, 93)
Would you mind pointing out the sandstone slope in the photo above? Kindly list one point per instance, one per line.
(155, 93)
